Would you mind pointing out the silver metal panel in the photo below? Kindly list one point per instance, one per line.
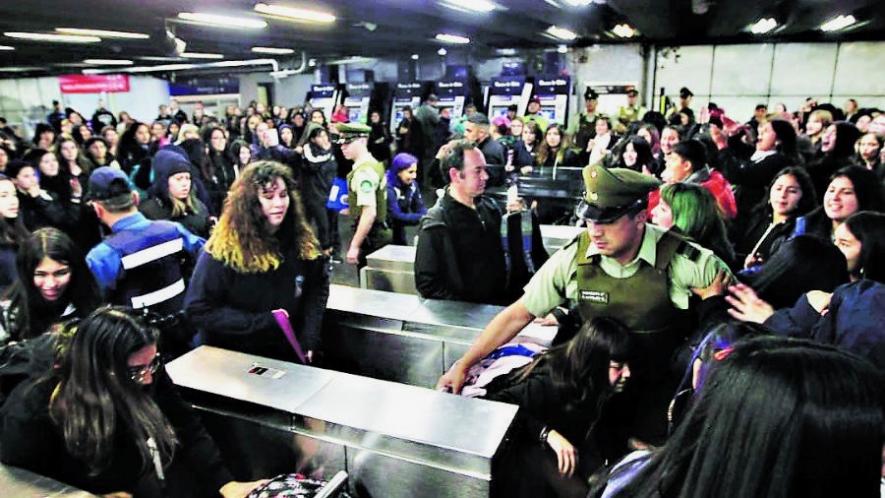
(357, 346)
(557, 236)
(371, 472)
(372, 303)
(411, 413)
(454, 313)
(17, 482)
(388, 280)
(393, 257)
(222, 372)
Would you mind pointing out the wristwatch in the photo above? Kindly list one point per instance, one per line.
(544, 433)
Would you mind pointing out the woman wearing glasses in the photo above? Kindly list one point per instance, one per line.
(107, 418)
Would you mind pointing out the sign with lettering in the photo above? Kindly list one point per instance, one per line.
(93, 83)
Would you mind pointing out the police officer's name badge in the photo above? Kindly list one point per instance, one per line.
(593, 296)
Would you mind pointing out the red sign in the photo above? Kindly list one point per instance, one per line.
(97, 83)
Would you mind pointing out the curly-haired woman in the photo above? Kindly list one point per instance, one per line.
(262, 258)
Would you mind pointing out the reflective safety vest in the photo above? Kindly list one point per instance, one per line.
(151, 276)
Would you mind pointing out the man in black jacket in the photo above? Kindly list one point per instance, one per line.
(459, 254)
(476, 129)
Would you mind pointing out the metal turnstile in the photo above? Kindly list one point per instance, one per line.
(393, 440)
(391, 268)
(402, 337)
(18, 482)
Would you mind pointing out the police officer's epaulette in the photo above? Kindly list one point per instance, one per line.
(689, 251)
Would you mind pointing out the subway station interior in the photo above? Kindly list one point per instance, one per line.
(442, 248)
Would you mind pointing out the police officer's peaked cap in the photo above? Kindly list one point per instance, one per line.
(350, 131)
(612, 192)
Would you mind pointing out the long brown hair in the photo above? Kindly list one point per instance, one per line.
(242, 239)
(544, 150)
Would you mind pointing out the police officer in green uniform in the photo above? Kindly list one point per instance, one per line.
(367, 194)
(584, 127)
(620, 267)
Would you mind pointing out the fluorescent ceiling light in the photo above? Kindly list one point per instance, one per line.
(295, 13)
(624, 31)
(442, 51)
(353, 60)
(506, 51)
(562, 49)
(20, 69)
(561, 33)
(158, 58)
(103, 33)
(6, 47)
(415, 57)
(272, 50)
(579, 3)
(838, 23)
(446, 38)
(222, 21)
(49, 37)
(470, 5)
(201, 55)
(108, 62)
(763, 26)
(186, 66)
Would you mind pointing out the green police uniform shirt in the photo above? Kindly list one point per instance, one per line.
(368, 179)
(556, 281)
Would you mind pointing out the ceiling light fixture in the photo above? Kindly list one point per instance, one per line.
(294, 13)
(201, 55)
(561, 33)
(447, 38)
(482, 6)
(49, 37)
(415, 57)
(442, 52)
(108, 62)
(579, 3)
(20, 69)
(562, 49)
(624, 31)
(763, 26)
(272, 50)
(506, 51)
(6, 47)
(126, 35)
(838, 23)
(222, 21)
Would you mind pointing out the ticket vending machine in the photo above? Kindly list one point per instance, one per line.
(452, 97)
(325, 96)
(505, 91)
(406, 94)
(357, 100)
(554, 91)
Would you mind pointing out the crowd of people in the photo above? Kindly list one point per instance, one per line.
(738, 264)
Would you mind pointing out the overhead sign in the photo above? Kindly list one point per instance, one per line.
(205, 85)
(93, 83)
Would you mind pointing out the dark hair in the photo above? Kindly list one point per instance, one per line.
(35, 313)
(693, 152)
(12, 234)
(235, 147)
(315, 132)
(655, 143)
(455, 157)
(643, 154)
(89, 155)
(867, 188)
(97, 401)
(579, 366)
(81, 160)
(40, 129)
(808, 201)
(802, 264)
(777, 417)
(869, 228)
(786, 139)
(241, 239)
(846, 136)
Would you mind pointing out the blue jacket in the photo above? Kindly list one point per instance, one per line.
(405, 206)
(855, 321)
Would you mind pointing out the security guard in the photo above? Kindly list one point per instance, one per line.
(622, 268)
(367, 194)
(140, 263)
(584, 128)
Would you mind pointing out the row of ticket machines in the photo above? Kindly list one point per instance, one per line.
(454, 94)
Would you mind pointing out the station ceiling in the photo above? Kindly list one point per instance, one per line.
(401, 28)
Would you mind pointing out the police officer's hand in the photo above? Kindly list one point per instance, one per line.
(566, 454)
(353, 255)
(453, 380)
(716, 287)
(746, 306)
(547, 321)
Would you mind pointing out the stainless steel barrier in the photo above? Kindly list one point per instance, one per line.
(392, 439)
(392, 268)
(17, 482)
(404, 338)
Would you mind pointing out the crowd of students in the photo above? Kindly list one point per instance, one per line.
(792, 202)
